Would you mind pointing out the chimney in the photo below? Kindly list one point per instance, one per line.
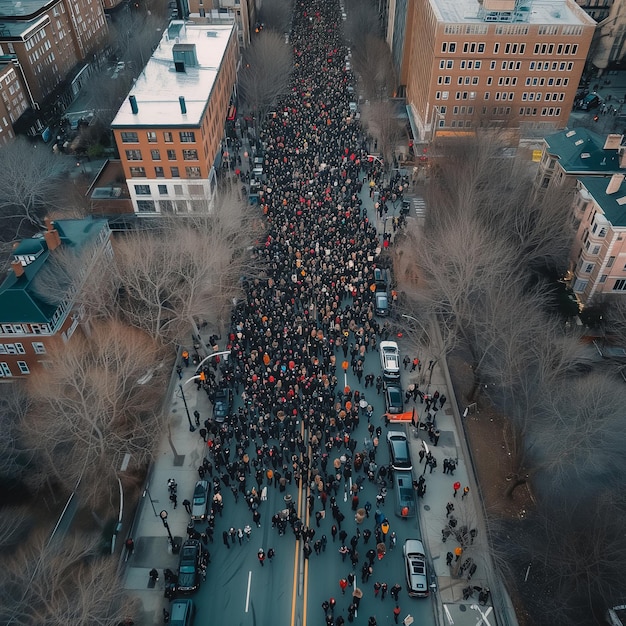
(18, 268)
(51, 235)
(614, 184)
(133, 104)
(183, 106)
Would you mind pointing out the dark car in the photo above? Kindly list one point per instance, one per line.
(405, 494)
(182, 612)
(200, 500)
(399, 451)
(189, 566)
(222, 404)
(393, 399)
(380, 278)
(381, 303)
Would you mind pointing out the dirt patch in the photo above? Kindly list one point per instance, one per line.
(485, 432)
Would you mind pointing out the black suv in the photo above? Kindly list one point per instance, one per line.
(222, 404)
(189, 566)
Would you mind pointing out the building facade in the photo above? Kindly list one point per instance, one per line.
(242, 12)
(39, 310)
(49, 39)
(509, 63)
(609, 44)
(598, 260)
(169, 130)
(13, 100)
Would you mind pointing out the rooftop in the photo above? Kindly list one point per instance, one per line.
(159, 87)
(23, 8)
(21, 299)
(582, 151)
(613, 205)
(554, 12)
(19, 28)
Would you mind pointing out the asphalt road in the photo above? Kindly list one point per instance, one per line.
(290, 590)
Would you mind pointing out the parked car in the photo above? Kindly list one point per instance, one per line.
(415, 568)
(389, 359)
(182, 612)
(200, 500)
(381, 303)
(399, 453)
(404, 493)
(222, 404)
(381, 278)
(393, 399)
(189, 566)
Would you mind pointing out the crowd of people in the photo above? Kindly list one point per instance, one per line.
(312, 310)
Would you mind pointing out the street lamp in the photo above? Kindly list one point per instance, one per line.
(163, 516)
(192, 428)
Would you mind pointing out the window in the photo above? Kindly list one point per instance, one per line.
(481, 47)
(159, 172)
(171, 155)
(133, 155)
(174, 172)
(192, 172)
(588, 268)
(620, 285)
(449, 64)
(163, 190)
(190, 155)
(39, 347)
(603, 278)
(128, 137)
(602, 232)
(178, 190)
(152, 136)
(187, 136)
(496, 48)
(168, 137)
(138, 172)
(145, 206)
(5, 370)
(492, 65)
(142, 190)
(155, 154)
(23, 367)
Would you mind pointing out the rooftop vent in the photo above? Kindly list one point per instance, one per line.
(571, 133)
(211, 33)
(184, 56)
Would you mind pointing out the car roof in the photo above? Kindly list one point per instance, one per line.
(414, 546)
(388, 345)
(396, 434)
(201, 485)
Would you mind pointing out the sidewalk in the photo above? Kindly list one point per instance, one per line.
(451, 607)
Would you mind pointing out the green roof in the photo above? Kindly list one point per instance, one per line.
(582, 151)
(20, 298)
(614, 212)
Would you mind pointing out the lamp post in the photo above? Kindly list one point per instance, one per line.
(192, 428)
(163, 516)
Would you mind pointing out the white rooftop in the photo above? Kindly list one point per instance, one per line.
(555, 12)
(158, 89)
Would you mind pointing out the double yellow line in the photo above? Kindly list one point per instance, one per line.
(305, 488)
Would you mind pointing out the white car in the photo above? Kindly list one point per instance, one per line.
(390, 360)
(415, 568)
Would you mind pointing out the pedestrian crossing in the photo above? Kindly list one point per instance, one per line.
(419, 206)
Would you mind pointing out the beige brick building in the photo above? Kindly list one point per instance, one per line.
(511, 63)
(242, 12)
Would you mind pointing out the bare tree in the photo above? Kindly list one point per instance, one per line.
(89, 409)
(62, 583)
(382, 124)
(362, 20)
(372, 62)
(29, 187)
(276, 15)
(188, 269)
(265, 74)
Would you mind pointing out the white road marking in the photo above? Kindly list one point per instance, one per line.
(248, 592)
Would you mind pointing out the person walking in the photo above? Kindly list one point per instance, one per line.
(456, 487)
(394, 592)
(343, 584)
(225, 539)
(261, 556)
(187, 505)
(465, 492)
(396, 613)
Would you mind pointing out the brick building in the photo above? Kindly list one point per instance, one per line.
(39, 310)
(14, 100)
(242, 12)
(511, 63)
(598, 259)
(49, 39)
(169, 130)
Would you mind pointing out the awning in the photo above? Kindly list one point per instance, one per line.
(401, 417)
